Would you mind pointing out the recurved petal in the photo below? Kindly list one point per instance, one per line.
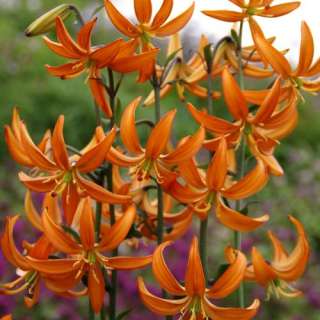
(162, 273)
(279, 63)
(194, 279)
(103, 56)
(218, 167)
(66, 40)
(159, 136)
(8, 247)
(250, 184)
(58, 237)
(16, 148)
(187, 149)
(99, 94)
(128, 131)
(96, 286)
(127, 263)
(230, 280)
(59, 149)
(236, 220)
(31, 212)
(94, 157)
(293, 267)
(263, 271)
(38, 184)
(118, 232)
(306, 50)
(269, 104)
(211, 123)
(66, 71)
(159, 305)
(279, 252)
(162, 15)
(99, 193)
(223, 313)
(233, 96)
(119, 21)
(189, 171)
(279, 10)
(176, 24)
(143, 10)
(59, 49)
(84, 35)
(38, 158)
(52, 266)
(225, 15)
(87, 235)
(136, 62)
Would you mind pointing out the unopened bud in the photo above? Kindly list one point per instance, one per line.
(46, 22)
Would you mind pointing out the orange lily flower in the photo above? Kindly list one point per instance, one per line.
(262, 8)
(283, 268)
(92, 59)
(62, 174)
(147, 28)
(202, 191)
(262, 129)
(294, 79)
(193, 299)
(84, 254)
(14, 141)
(181, 73)
(153, 160)
(7, 317)
(29, 278)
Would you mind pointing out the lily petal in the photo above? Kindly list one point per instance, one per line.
(59, 149)
(236, 220)
(143, 10)
(159, 136)
(99, 193)
(230, 280)
(94, 157)
(162, 273)
(159, 305)
(128, 131)
(250, 184)
(194, 278)
(119, 21)
(233, 96)
(176, 24)
(119, 230)
(162, 15)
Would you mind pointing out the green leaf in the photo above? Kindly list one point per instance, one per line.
(208, 55)
(171, 57)
(118, 112)
(123, 314)
(235, 37)
(96, 10)
(72, 232)
(221, 270)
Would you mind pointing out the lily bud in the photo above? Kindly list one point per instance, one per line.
(47, 21)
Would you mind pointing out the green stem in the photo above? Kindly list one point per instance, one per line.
(203, 245)
(240, 63)
(242, 160)
(91, 312)
(114, 274)
(210, 101)
(160, 225)
(156, 87)
(78, 15)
